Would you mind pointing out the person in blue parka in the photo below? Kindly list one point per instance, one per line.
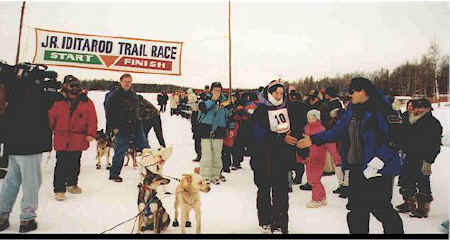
(364, 134)
(213, 117)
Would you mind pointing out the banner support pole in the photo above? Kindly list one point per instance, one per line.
(20, 32)
(229, 47)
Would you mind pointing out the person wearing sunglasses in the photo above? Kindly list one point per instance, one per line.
(364, 133)
(73, 120)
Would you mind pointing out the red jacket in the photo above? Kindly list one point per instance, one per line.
(230, 135)
(318, 153)
(250, 109)
(70, 130)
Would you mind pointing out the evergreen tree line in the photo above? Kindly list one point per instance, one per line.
(412, 78)
(103, 84)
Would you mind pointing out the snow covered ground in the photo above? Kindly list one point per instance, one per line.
(227, 208)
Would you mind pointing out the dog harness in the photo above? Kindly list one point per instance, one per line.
(152, 199)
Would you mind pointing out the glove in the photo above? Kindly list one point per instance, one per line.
(372, 168)
(426, 168)
(282, 128)
(225, 104)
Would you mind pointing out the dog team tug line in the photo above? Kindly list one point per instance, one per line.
(152, 215)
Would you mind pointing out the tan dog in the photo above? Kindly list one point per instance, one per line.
(152, 215)
(188, 198)
(104, 146)
(155, 160)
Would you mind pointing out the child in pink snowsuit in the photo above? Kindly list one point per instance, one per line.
(316, 160)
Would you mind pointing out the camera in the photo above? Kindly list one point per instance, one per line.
(35, 74)
(38, 75)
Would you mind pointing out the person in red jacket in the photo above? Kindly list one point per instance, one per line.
(316, 160)
(229, 150)
(73, 121)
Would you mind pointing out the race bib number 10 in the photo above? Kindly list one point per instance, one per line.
(279, 120)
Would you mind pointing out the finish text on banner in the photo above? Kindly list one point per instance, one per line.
(107, 53)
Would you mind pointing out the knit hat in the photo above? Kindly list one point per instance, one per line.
(314, 113)
(291, 89)
(423, 102)
(313, 93)
(253, 96)
(214, 85)
(273, 85)
(69, 78)
(359, 83)
(331, 91)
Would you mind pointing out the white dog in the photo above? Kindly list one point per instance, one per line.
(154, 160)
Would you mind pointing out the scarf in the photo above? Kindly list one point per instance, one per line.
(274, 101)
(413, 119)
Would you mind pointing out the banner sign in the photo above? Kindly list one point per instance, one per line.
(56, 48)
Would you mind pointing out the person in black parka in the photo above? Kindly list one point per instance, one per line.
(422, 144)
(270, 162)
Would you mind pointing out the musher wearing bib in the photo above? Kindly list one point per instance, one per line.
(270, 138)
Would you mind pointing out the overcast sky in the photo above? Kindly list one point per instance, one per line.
(269, 39)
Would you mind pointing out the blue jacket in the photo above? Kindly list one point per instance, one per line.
(375, 139)
(107, 95)
(271, 156)
(212, 117)
(260, 121)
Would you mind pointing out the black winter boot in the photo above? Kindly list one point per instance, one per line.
(27, 226)
(175, 223)
(328, 174)
(339, 189)
(306, 187)
(197, 159)
(297, 180)
(344, 192)
(423, 206)
(2, 173)
(409, 205)
(4, 224)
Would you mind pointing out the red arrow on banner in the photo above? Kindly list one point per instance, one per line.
(108, 60)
